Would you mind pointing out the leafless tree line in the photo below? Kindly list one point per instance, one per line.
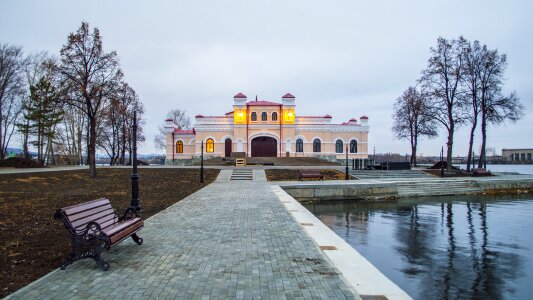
(461, 85)
(79, 101)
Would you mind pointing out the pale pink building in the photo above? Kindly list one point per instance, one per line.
(267, 129)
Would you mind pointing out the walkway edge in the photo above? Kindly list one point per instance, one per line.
(356, 270)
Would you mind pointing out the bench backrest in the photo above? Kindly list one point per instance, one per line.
(99, 211)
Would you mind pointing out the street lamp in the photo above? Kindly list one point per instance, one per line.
(134, 175)
(346, 176)
(202, 165)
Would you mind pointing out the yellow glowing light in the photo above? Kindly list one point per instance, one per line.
(290, 113)
(240, 117)
(210, 146)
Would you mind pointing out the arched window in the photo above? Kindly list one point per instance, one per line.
(299, 145)
(274, 116)
(353, 146)
(179, 147)
(254, 116)
(210, 146)
(316, 145)
(338, 146)
(263, 116)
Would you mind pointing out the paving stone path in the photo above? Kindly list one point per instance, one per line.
(232, 239)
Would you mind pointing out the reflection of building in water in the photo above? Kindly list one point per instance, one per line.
(267, 129)
(518, 155)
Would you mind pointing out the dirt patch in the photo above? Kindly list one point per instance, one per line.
(32, 243)
(18, 162)
(292, 175)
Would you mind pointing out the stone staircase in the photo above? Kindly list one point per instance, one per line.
(242, 174)
(436, 188)
(390, 175)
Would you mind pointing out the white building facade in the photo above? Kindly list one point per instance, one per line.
(267, 129)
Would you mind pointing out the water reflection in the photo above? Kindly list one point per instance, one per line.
(478, 248)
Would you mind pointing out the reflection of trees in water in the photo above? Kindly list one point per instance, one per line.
(476, 271)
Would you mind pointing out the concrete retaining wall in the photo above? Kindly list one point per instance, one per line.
(369, 191)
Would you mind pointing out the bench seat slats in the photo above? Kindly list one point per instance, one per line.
(124, 229)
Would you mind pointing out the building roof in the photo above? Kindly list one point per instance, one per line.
(202, 116)
(288, 95)
(262, 103)
(240, 95)
(315, 117)
(183, 132)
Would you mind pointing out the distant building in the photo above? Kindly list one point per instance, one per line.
(518, 155)
(267, 129)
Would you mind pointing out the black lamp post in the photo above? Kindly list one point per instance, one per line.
(134, 175)
(202, 164)
(346, 176)
(442, 162)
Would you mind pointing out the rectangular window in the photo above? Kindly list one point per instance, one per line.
(529, 156)
(523, 157)
(516, 157)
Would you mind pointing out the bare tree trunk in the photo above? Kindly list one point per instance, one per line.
(470, 145)
(449, 144)
(92, 147)
(482, 154)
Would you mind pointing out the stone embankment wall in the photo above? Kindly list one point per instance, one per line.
(392, 190)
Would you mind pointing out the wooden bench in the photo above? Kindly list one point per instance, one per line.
(310, 174)
(95, 227)
(480, 172)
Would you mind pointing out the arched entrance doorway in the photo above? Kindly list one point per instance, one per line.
(264, 146)
(227, 147)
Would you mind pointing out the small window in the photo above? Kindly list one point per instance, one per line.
(523, 157)
(529, 156)
(338, 146)
(274, 116)
(316, 145)
(254, 116)
(299, 145)
(179, 147)
(263, 116)
(210, 146)
(353, 146)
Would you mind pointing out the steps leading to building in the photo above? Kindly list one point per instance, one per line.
(242, 174)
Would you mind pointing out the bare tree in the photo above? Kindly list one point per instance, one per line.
(91, 76)
(472, 57)
(115, 136)
(180, 118)
(70, 135)
(38, 66)
(441, 79)
(495, 107)
(12, 64)
(412, 119)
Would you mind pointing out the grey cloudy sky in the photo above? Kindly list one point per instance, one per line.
(344, 58)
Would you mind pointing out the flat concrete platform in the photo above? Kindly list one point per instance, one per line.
(231, 239)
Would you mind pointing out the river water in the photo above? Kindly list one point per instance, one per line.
(522, 169)
(454, 248)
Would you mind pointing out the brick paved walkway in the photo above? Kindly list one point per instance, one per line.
(228, 240)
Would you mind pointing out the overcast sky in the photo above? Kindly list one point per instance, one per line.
(343, 58)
